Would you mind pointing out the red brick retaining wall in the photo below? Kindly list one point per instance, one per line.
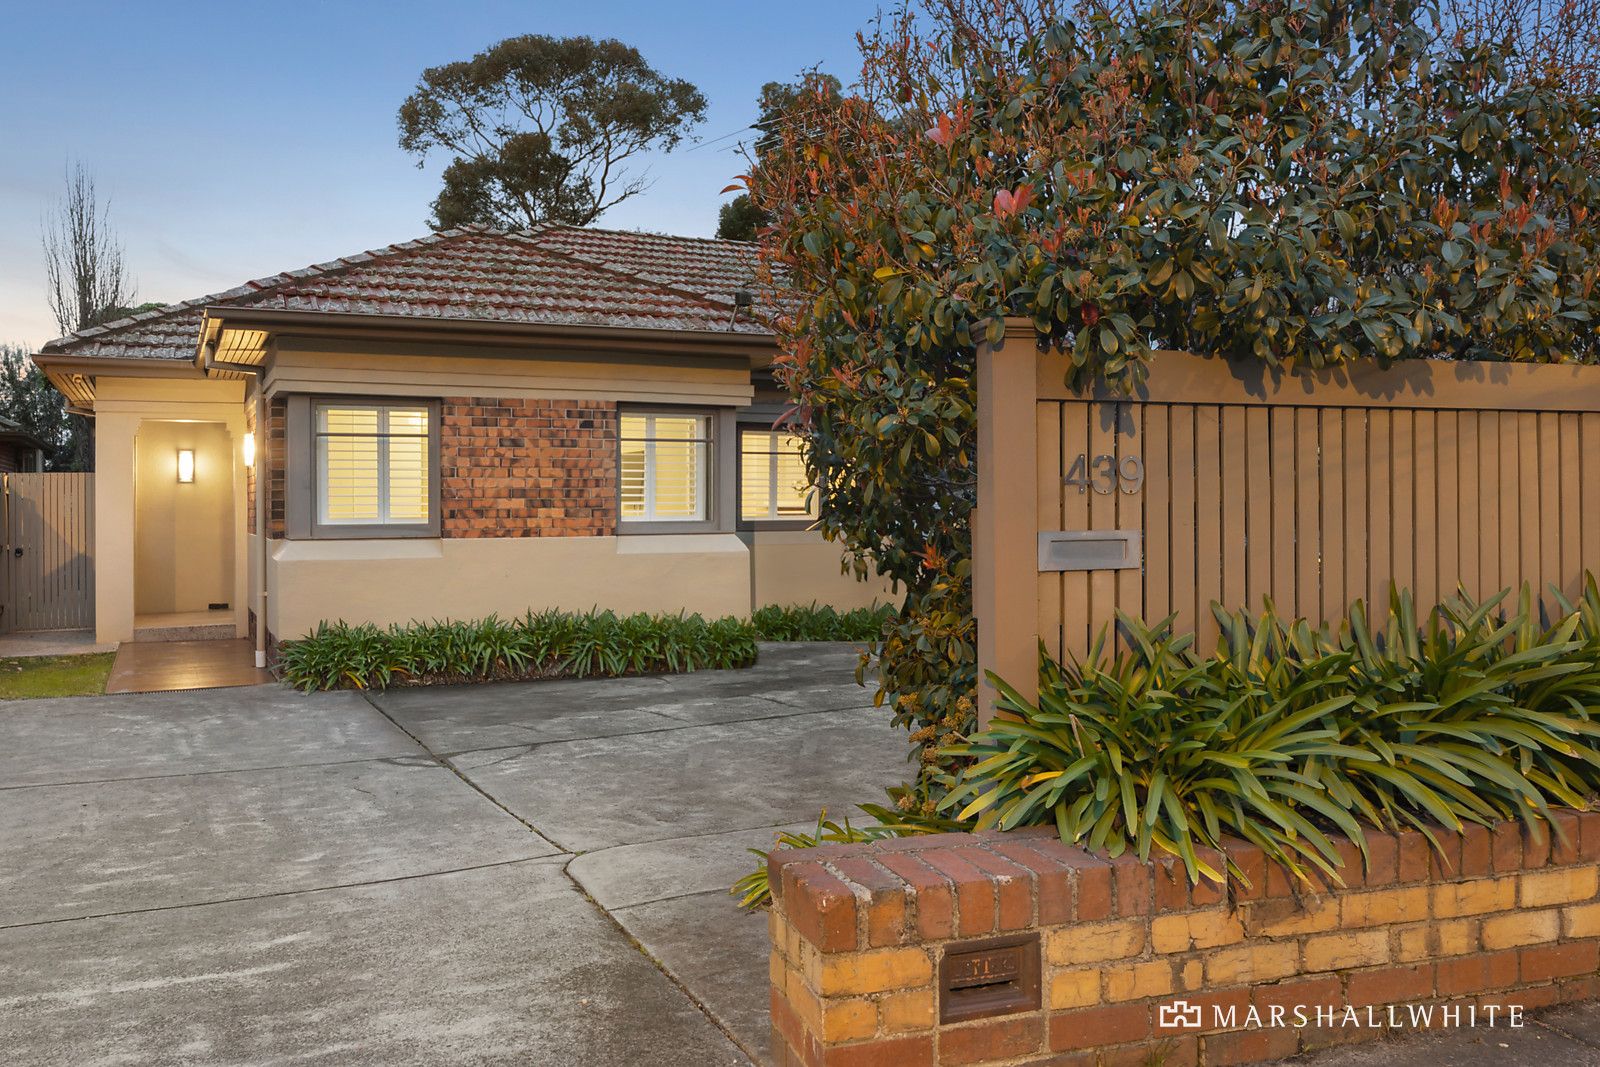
(859, 933)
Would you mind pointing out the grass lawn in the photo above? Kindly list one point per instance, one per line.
(54, 676)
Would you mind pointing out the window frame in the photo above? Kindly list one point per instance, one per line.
(304, 498)
(721, 469)
(804, 523)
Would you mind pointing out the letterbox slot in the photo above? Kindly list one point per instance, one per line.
(1089, 550)
(999, 976)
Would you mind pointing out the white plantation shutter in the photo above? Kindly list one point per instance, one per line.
(372, 464)
(755, 476)
(772, 477)
(663, 467)
(792, 496)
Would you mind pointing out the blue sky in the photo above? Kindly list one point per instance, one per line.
(237, 140)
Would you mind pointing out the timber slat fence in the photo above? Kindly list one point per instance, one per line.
(48, 569)
(1312, 489)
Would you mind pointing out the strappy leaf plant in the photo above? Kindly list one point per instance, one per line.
(1290, 732)
(549, 644)
(820, 622)
(539, 645)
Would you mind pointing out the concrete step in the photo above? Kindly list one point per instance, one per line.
(198, 632)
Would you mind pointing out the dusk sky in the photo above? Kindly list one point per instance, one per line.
(238, 140)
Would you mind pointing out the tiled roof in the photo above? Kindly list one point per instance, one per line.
(12, 428)
(557, 275)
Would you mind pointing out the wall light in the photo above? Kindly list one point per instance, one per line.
(185, 465)
(249, 449)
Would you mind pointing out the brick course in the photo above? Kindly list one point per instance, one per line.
(512, 467)
(858, 932)
(277, 446)
(250, 471)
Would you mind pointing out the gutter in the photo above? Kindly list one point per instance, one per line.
(577, 336)
(68, 361)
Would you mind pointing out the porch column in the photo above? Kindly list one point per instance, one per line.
(114, 436)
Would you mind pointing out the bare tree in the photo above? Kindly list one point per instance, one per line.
(1552, 40)
(85, 272)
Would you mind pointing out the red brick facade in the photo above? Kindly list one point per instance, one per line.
(507, 467)
(527, 468)
(277, 446)
(250, 471)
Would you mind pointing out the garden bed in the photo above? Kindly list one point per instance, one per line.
(552, 644)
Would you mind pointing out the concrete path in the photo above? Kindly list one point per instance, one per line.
(661, 785)
(51, 643)
(429, 876)
(1569, 1037)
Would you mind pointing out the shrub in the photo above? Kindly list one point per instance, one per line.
(820, 622)
(1288, 732)
(1295, 183)
(539, 645)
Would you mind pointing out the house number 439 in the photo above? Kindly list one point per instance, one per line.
(1106, 474)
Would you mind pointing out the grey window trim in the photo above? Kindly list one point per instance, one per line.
(301, 473)
(721, 457)
(759, 525)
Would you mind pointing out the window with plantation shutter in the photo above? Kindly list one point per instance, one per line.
(664, 469)
(373, 464)
(772, 477)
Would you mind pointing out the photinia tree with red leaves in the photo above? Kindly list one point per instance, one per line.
(1300, 182)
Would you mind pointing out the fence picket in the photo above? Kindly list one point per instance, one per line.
(50, 586)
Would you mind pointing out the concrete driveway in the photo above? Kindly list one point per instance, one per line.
(528, 873)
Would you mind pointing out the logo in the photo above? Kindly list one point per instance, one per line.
(1187, 1015)
(1180, 1015)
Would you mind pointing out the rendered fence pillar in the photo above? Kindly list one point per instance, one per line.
(113, 526)
(1004, 527)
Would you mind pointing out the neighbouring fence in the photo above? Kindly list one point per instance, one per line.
(1013, 948)
(1223, 482)
(47, 571)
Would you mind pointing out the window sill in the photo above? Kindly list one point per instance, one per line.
(372, 533)
(349, 549)
(776, 525)
(704, 542)
(637, 528)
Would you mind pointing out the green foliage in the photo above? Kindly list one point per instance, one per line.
(819, 622)
(28, 399)
(539, 128)
(1299, 182)
(32, 677)
(1289, 732)
(740, 220)
(539, 645)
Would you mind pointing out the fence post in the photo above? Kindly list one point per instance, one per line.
(1005, 577)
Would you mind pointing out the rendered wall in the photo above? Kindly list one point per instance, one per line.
(798, 567)
(183, 533)
(122, 407)
(401, 369)
(397, 581)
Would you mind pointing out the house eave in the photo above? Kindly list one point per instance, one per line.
(74, 375)
(757, 348)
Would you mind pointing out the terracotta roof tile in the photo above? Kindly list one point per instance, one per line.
(557, 275)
